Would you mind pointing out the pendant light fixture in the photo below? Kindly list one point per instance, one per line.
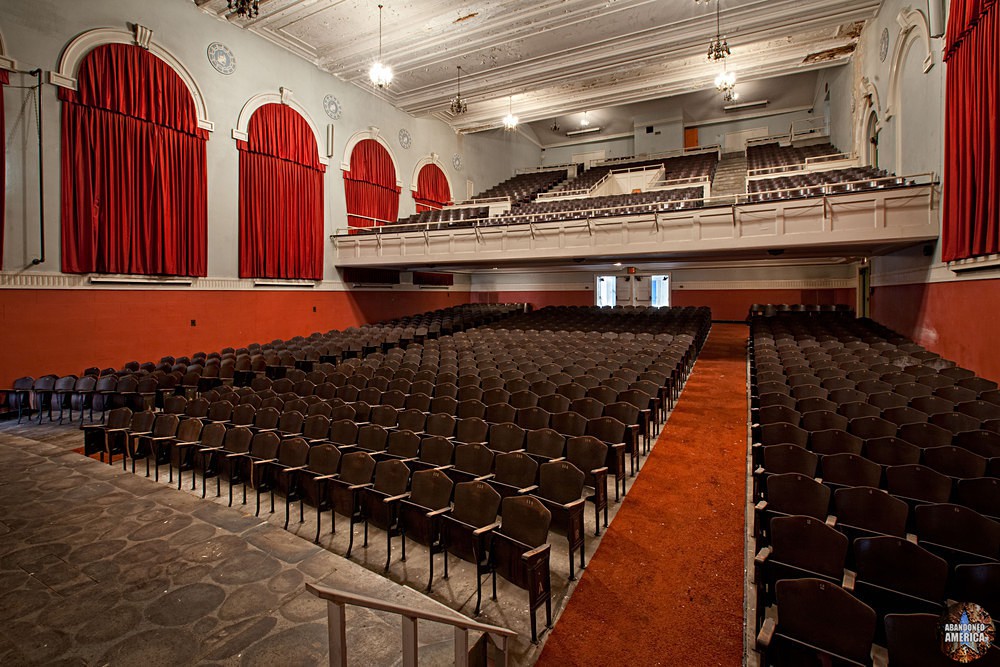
(380, 74)
(458, 105)
(510, 120)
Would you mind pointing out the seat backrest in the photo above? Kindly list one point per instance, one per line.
(476, 503)
(851, 470)
(569, 423)
(119, 418)
(560, 482)
(431, 489)
(437, 450)
(790, 458)
(403, 443)
(826, 616)
(606, 429)
(392, 476)
(871, 509)
(265, 445)
(266, 418)
(293, 452)
(545, 442)
(237, 440)
(189, 430)
(792, 493)
(357, 468)
(900, 565)
(958, 527)
(474, 458)
(979, 583)
(324, 459)
(165, 425)
(506, 437)
(891, 451)
(981, 494)
(526, 520)
(372, 437)
(515, 469)
(810, 544)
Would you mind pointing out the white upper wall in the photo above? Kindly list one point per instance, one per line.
(36, 32)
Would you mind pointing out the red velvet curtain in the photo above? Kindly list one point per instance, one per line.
(281, 197)
(370, 186)
(4, 80)
(433, 190)
(972, 147)
(134, 192)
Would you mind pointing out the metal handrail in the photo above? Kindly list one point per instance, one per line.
(337, 601)
(535, 170)
(706, 202)
(483, 200)
(694, 150)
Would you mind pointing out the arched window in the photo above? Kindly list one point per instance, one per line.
(281, 197)
(433, 191)
(134, 193)
(370, 186)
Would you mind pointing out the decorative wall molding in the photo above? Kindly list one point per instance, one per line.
(912, 26)
(69, 62)
(434, 159)
(938, 273)
(728, 285)
(40, 280)
(6, 62)
(283, 96)
(371, 133)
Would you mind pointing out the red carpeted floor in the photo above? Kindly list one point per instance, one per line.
(665, 586)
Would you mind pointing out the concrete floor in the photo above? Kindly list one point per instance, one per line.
(100, 566)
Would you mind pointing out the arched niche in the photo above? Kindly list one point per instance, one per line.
(284, 96)
(374, 134)
(81, 45)
(434, 160)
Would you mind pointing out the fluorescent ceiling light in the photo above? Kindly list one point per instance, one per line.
(588, 130)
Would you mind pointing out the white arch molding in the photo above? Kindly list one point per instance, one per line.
(6, 62)
(284, 96)
(869, 103)
(912, 26)
(371, 133)
(423, 162)
(84, 43)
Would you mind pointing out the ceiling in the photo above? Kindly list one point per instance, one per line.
(553, 58)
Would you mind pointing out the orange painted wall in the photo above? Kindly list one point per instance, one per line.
(734, 304)
(64, 331)
(538, 299)
(958, 320)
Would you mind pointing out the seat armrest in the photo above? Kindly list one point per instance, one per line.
(762, 556)
(395, 499)
(831, 521)
(536, 552)
(295, 469)
(574, 503)
(761, 505)
(766, 633)
(850, 578)
(599, 471)
(360, 486)
(326, 477)
(528, 489)
(434, 513)
(486, 529)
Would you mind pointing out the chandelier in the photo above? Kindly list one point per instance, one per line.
(247, 8)
(458, 105)
(380, 74)
(510, 120)
(718, 48)
(725, 83)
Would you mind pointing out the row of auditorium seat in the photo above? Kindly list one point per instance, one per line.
(556, 457)
(525, 187)
(770, 157)
(876, 485)
(700, 165)
(606, 206)
(814, 183)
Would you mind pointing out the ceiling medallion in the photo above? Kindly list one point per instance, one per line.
(405, 140)
(456, 162)
(221, 58)
(245, 8)
(883, 45)
(331, 105)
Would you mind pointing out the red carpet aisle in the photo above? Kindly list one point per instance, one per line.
(665, 586)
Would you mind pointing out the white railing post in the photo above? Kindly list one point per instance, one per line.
(461, 647)
(409, 641)
(337, 627)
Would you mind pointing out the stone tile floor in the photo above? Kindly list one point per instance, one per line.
(99, 566)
